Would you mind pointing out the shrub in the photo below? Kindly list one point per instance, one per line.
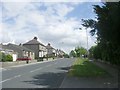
(4, 57)
(8, 58)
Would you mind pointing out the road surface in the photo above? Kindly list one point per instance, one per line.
(41, 75)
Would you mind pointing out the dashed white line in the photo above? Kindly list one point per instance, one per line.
(3, 69)
(10, 78)
(36, 70)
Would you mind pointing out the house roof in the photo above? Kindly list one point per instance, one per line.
(49, 46)
(33, 41)
(3, 47)
(18, 47)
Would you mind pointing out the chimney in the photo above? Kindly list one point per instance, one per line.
(49, 44)
(35, 38)
(20, 44)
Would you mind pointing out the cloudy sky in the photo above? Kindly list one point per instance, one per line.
(52, 22)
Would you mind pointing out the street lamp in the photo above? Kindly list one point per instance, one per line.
(86, 37)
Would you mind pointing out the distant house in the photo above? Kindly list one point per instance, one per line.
(51, 52)
(4, 49)
(60, 53)
(39, 49)
(21, 50)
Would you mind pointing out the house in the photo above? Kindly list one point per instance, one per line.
(51, 52)
(39, 49)
(60, 53)
(21, 50)
(4, 49)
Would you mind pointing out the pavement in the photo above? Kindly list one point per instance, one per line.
(94, 82)
(16, 63)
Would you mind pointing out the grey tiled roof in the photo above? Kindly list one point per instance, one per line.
(49, 46)
(3, 47)
(18, 47)
(33, 41)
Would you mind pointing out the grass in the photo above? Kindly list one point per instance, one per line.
(85, 68)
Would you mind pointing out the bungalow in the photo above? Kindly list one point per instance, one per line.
(4, 49)
(21, 50)
(39, 49)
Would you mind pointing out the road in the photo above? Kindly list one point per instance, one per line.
(40, 75)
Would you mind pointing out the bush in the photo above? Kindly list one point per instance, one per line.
(4, 57)
(66, 56)
(8, 58)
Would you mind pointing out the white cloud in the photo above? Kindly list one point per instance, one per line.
(50, 25)
(64, 10)
(51, 0)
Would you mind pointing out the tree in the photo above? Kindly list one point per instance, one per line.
(72, 53)
(78, 51)
(107, 29)
(66, 55)
(91, 52)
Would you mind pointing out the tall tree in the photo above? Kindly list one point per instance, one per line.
(107, 28)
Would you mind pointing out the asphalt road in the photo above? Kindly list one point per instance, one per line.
(39, 75)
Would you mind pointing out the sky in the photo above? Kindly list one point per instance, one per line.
(52, 22)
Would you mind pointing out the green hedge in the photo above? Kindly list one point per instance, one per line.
(4, 57)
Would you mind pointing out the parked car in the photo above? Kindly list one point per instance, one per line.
(25, 58)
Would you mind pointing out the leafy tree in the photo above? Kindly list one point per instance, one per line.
(107, 29)
(66, 55)
(91, 52)
(72, 53)
(78, 51)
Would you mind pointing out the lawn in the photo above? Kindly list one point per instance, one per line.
(85, 68)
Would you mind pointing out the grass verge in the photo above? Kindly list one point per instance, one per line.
(85, 68)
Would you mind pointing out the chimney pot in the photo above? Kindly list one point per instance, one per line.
(35, 38)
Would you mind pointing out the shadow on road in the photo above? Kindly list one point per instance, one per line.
(49, 79)
(64, 68)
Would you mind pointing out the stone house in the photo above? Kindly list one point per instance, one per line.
(51, 52)
(60, 53)
(39, 48)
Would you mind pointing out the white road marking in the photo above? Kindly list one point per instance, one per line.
(36, 70)
(3, 69)
(10, 78)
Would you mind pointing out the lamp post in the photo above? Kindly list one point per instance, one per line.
(86, 39)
